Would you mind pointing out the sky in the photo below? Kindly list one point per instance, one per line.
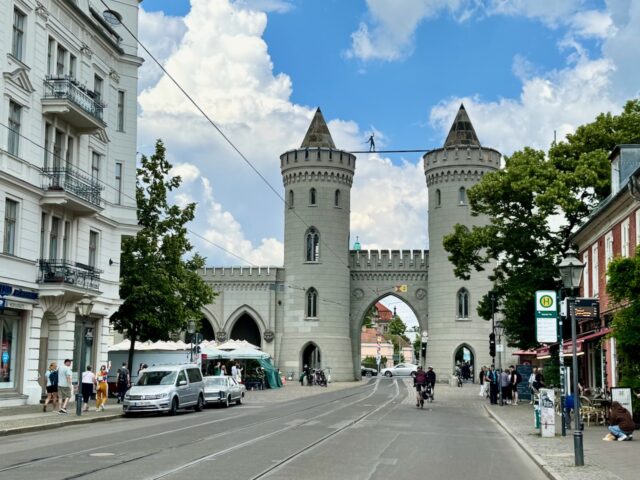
(396, 68)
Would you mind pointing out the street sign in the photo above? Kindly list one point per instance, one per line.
(587, 308)
(378, 359)
(499, 348)
(547, 330)
(546, 316)
(546, 303)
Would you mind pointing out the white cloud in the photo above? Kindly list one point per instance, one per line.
(187, 171)
(593, 24)
(277, 6)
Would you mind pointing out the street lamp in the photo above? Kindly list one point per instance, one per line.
(423, 347)
(571, 269)
(499, 329)
(84, 308)
(492, 296)
(191, 329)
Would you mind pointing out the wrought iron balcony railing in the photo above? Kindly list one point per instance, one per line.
(68, 88)
(70, 273)
(71, 180)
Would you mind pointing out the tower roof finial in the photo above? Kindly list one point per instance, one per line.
(462, 132)
(318, 134)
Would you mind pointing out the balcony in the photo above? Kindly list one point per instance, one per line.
(76, 105)
(65, 278)
(67, 186)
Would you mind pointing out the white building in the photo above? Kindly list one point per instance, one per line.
(67, 181)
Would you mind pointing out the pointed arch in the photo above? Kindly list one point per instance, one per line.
(313, 196)
(311, 303)
(310, 355)
(336, 198)
(312, 245)
(462, 304)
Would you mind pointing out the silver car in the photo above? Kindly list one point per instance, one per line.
(400, 369)
(166, 388)
(223, 390)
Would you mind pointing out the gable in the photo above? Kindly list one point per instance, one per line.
(20, 78)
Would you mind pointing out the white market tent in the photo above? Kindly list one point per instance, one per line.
(159, 345)
(235, 344)
(214, 353)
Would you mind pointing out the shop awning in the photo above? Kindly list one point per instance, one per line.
(525, 352)
(567, 346)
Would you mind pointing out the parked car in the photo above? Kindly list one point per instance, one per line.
(223, 390)
(368, 372)
(166, 388)
(400, 369)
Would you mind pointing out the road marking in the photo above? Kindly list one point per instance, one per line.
(101, 454)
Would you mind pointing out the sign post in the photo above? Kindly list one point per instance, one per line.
(547, 412)
(546, 316)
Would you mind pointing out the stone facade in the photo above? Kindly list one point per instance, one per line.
(67, 181)
(311, 311)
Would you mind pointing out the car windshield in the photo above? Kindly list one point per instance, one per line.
(165, 377)
(214, 382)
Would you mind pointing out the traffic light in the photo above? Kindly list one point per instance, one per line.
(492, 344)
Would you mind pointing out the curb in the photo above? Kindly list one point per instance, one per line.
(51, 426)
(537, 459)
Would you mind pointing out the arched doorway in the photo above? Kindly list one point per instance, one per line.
(311, 356)
(465, 360)
(206, 330)
(247, 329)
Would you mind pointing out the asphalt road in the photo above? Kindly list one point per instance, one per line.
(373, 431)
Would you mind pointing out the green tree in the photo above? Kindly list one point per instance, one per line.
(161, 289)
(397, 326)
(369, 316)
(520, 244)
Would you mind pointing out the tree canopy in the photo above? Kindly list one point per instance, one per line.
(160, 287)
(534, 205)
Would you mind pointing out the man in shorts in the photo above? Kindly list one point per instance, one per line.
(65, 385)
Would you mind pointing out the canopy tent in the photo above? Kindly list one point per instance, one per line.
(159, 345)
(235, 344)
(271, 373)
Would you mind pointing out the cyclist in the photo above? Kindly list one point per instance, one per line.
(419, 381)
(431, 381)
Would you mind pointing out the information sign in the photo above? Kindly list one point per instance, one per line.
(546, 316)
(547, 330)
(623, 397)
(547, 412)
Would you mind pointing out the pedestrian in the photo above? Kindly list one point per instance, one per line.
(539, 381)
(505, 386)
(124, 381)
(217, 370)
(89, 383)
(52, 387)
(431, 381)
(621, 424)
(223, 369)
(238, 375)
(65, 385)
(419, 382)
(491, 376)
(532, 379)
(102, 389)
(482, 384)
(372, 143)
(516, 378)
(307, 373)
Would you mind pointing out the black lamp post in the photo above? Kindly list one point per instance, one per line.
(191, 329)
(84, 308)
(571, 269)
(499, 329)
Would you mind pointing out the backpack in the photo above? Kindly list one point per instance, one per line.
(53, 378)
(122, 375)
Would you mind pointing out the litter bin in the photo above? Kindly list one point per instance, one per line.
(79, 404)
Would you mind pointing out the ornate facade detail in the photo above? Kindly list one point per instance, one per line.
(113, 75)
(421, 294)
(221, 336)
(42, 11)
(86, 50)
(357, 293)
(268, 335)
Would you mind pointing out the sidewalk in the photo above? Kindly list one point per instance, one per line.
(603, 460)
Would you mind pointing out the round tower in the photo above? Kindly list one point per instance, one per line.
(453, 321)
(315, 327)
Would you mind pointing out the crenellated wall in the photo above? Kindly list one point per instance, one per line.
(362, 260)
(456, 164)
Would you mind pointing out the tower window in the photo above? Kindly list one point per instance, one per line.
(336, 200)
(462, 196)
(312, 245)
(463, 303)
(312, 303)
(438, 198)
(291, 198)
(312, 197)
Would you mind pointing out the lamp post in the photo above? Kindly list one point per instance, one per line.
(492, 296)
(84, 308)
(571, 269)
(191, 329)
(499, 329)
(425, 340)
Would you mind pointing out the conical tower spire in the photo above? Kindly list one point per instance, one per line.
(462, 132)
(318, 134)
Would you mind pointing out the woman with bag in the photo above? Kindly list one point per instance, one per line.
(102, 389)
(88, 384)
(52, 387)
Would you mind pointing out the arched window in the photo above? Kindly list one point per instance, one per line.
(312, 303)
(438, 198)
(312, 196)
(463, 303)
(291, 198)
(336, 200)
(312, 245)
(462, 196)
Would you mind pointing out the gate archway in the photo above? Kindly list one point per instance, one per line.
(464, 358)
(310, 356)
(246, 328)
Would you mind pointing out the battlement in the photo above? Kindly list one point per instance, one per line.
(242, 273)
(314, 157)
(471, 156)
(363, 260)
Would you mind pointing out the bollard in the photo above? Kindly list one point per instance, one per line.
(79, 404)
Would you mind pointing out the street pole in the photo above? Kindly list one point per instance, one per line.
(577, 431)
(493, 323)
(563, 379)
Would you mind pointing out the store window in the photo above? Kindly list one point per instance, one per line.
(8, 350)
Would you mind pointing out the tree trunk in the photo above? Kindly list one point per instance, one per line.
(132, 336)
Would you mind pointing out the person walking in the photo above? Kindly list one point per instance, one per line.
(52, 387)
(505, 387)
(102, 389)
(217, 370)
(65, 385)
(238, 374)
(89, 383)
(532, 379)
(124, 381)
(492, 377)
(516, 378)
(419, 382)
(482, 392)
(431, 381)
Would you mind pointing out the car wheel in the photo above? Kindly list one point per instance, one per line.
(387, 374)
(239, 401)
(174, 407)
(368, 374)
(227, 401)
(200, 405)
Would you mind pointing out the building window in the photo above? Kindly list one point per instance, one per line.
(17, 45)
(120, 123)
(118, 183)
(93, 248)
(336, 199)
(50, 59)
(463, 303)
(10, 221)
(48, 128)
(312, 303)
(61, 57)
(595, 274)
(65, 240)
(57, 149)
(312, 196)
(43, 221)
(291, 198)
(95, 166)
(624, 251)
(72, 65)
(312, 245)
(53, 238)
(15, 112)
(462, 196)
(585, 277)
(70, 153)
(97, 86)
(438, 198)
